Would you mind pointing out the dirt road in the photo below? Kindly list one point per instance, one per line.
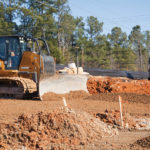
(136, 105)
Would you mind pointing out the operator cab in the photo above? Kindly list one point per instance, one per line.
(12, 48)
(10, 52)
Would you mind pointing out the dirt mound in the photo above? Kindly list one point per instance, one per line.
(60, 129)
(143, 143)
(95, 85)
(71, 95)
(117, 85)
(112, 117)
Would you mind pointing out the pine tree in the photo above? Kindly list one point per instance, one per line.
(136, 41)
(7, 17)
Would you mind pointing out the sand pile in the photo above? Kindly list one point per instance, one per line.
(113, 85)
(60, 129)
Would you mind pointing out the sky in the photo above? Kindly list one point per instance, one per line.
(122, 13)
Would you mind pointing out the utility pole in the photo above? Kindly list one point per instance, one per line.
(140, 56)
(77, 52)
(149, 69)
(82, 50)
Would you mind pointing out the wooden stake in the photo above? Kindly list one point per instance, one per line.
(65, 103)
(120, 104)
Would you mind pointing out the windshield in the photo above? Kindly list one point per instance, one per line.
(9, 46)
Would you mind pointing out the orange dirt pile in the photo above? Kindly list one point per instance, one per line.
(113, 85)
(60, 129)
(112, 117)
(50, 96)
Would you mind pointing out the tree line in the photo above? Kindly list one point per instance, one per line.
(66, 34)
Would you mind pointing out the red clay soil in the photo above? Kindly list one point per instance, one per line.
(112, 117)
(60, 129)
(45, 125)
(34, 129)
(117, 85)
(71, 95)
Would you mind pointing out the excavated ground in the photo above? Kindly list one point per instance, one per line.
(117, 85)
(91, 122)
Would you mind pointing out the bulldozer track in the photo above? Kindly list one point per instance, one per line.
(23, 87)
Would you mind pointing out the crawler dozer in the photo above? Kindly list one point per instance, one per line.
(27, 69)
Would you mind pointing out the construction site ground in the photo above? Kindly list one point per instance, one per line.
(99, 105)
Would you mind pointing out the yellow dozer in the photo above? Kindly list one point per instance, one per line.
(27, 69)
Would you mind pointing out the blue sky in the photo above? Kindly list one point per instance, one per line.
(122, 13)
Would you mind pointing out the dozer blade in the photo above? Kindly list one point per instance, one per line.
(62, 84)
